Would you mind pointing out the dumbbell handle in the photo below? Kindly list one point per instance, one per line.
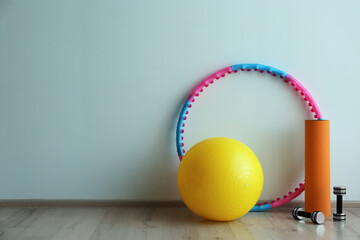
(339, 203)
(304, 214)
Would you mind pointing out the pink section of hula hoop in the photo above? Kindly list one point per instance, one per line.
(209, 80)
(288, 198)
(306, 95)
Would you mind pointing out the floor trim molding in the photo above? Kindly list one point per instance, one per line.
(126, 203)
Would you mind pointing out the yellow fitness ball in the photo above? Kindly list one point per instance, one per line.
(220, 179)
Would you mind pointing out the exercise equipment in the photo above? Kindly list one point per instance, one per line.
(339, 215)
(287, 78)
(316, 217)
(317, 166)
(220, 179)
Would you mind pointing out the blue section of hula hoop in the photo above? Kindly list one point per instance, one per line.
(179, 127)
(261, 208)
(259, 67)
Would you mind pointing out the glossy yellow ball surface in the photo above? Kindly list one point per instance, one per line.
(220, 179)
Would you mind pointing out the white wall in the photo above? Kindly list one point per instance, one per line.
(90, 91)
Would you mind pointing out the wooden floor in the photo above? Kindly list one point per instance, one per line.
(164, 223)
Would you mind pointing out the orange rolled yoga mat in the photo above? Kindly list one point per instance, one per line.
(317, 166)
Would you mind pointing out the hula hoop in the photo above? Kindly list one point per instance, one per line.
(298, 87)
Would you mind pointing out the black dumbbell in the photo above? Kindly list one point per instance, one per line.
(339, 191)
(316, 217)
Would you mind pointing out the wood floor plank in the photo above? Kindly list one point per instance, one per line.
(46, 226)
(353, 218)
(175, 219)
(7, 212)
(257, 225)
(115, 223)
(81, 225)
(18, 222)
